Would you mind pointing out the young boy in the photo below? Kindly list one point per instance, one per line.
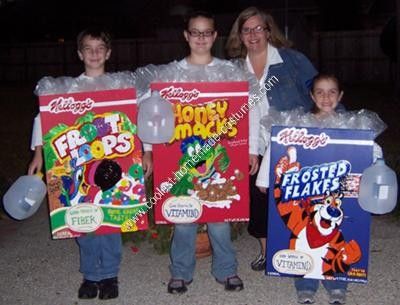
(100, 255)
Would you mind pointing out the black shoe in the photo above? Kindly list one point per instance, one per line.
(88, 290)
(232, 283)
(108, 288)
(177, 286)
(259, 263)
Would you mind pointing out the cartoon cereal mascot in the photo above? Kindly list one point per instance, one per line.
(203, 166)
(315, 224)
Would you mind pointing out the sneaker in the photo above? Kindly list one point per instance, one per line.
(305, 297)
(337, 296)
(232, 283)
(108, 288)
(177, 286)
(259, 263)
(88, 289)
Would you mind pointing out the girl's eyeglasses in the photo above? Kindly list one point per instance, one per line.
(196, 33)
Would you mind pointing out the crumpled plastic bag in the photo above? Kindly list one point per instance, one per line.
(356, 119)
(64, 84)
(221, 70)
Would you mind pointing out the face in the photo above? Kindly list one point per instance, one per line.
(94, 53)
(326, 96)
(254, 34)
(200, 35)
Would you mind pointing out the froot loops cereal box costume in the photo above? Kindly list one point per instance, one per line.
(93, 157)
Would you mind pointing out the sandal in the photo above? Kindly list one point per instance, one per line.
(259, 263)
(177, 286)
(232, 283)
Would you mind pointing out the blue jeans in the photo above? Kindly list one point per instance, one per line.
(183, 248)
(100, 256)
(302, 284)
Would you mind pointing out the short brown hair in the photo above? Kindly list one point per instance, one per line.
(235, 46)
(95, 33)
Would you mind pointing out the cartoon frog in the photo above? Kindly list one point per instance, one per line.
(198, 164)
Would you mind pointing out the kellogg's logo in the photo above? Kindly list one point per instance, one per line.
(295, 136)
(179, 94)
(69, 104)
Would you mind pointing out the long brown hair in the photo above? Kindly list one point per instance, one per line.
(234, 45)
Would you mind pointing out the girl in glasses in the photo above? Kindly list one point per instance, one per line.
(199, 65)
(282, 77)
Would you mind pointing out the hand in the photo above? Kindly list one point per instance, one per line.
(37, 162)
(147, 163)
(348, 254)
(253, 161)
(351, 252)
(287, 164)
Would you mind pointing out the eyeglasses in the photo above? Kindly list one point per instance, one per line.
(257, 30)
(196, 33)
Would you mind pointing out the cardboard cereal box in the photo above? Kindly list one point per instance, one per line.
(201, 175)
(93, 162)
(316, 228)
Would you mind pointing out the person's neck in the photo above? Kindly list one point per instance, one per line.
(196, 59)
(94, 72)
(260, 56)
(258, 61)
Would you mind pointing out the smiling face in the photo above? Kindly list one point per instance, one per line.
(326, 96)
(255, 34)
(94, 54)
(328, 214)
(200, 35)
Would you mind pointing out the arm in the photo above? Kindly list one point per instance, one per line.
(254, 128)
(304, 72)
(263, 175)
(35, 166)
(147, 163)
(36, 133)
(37, 161)
(377, 152)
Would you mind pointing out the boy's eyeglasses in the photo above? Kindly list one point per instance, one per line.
(257, 30)
(196, 33)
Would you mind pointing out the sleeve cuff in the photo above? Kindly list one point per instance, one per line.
(147, 147)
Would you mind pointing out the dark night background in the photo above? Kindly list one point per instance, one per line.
(50, 20)
(351, 38)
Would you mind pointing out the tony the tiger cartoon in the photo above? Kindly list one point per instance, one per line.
(309, 201)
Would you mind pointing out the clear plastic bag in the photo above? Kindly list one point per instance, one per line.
(361, 119)
(119, 80)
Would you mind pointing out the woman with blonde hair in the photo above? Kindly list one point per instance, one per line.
(281, 78)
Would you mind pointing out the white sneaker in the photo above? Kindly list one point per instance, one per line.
(305, 297)
(337, 296)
